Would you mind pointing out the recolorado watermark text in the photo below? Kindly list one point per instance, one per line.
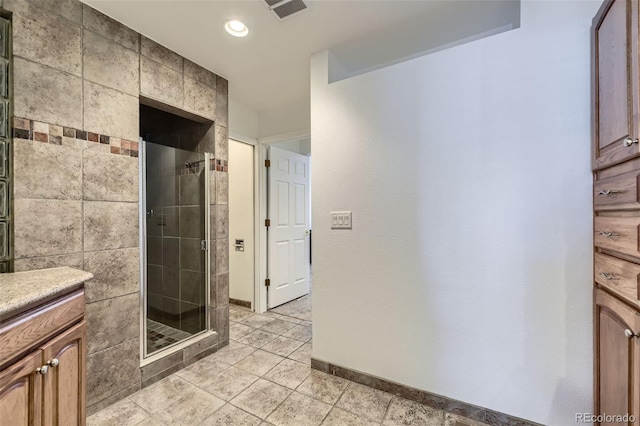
(605, 418)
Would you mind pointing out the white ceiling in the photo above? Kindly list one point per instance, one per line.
(270, 67)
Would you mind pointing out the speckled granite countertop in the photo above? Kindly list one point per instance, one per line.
(21, 289)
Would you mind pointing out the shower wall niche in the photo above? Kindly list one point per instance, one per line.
(176, 221)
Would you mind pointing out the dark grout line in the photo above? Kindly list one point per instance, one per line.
(386, 412)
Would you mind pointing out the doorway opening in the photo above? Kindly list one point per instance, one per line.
(242, 241)
(281, 252)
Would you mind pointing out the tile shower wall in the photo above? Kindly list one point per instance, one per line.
(78, 79)
(175, 228)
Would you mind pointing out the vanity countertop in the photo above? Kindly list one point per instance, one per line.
(20, 290)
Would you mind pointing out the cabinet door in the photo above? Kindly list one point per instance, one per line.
(615, 81)
(617, 357)
(21, 392)
(64, 385)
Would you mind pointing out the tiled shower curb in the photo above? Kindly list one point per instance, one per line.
(440, 402)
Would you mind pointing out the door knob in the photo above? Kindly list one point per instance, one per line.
(42, 370)
(53, 363)
(630, 334)
(628, 142)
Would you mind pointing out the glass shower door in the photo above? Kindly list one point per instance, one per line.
(175, 257)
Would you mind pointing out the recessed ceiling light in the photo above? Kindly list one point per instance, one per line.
(236, 28)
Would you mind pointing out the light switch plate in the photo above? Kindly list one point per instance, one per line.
(341, 220)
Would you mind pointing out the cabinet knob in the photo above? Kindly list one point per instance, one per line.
(53, 363)
(608, 234)
(630, 334)
(628, 142)
(608, 192)
(607, 276)
(42, 370)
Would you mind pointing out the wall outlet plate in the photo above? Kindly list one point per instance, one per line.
(341, 220)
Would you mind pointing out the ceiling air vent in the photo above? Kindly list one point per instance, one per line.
(286, 8)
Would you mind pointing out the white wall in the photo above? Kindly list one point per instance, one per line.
(468, 269)
(299, 146)
(286, 122)
(293, 118)
(243, 121)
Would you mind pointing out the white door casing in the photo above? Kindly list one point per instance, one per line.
(241, 221)
(289, 216)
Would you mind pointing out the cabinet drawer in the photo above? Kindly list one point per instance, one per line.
(617, 233)
(618, 275)
(616, 192)
(34, 327)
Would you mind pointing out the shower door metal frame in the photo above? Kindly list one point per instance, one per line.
(145, 357)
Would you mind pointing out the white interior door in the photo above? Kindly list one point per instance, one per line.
(241, 222)
(288, 233)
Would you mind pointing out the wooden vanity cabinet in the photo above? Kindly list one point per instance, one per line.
(617, 349)
(47, 385)
(21, 392)
(64, 385)
(616, 202)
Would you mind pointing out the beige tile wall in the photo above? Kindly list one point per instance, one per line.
(76, 203)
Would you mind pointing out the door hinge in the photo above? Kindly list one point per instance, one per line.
(267, 282)
(267, 222)
(204, 245)
(267, 163)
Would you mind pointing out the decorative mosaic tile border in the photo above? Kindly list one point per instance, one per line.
(26, 129)
(219, 165)
(23, 128)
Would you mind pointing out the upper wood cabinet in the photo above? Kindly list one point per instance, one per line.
(615, 83)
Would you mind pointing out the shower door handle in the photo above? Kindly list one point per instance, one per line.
(204, 245)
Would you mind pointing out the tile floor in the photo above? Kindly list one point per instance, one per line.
(299, 308)
(264, 378)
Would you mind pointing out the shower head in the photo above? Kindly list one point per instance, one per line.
(192, 163)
